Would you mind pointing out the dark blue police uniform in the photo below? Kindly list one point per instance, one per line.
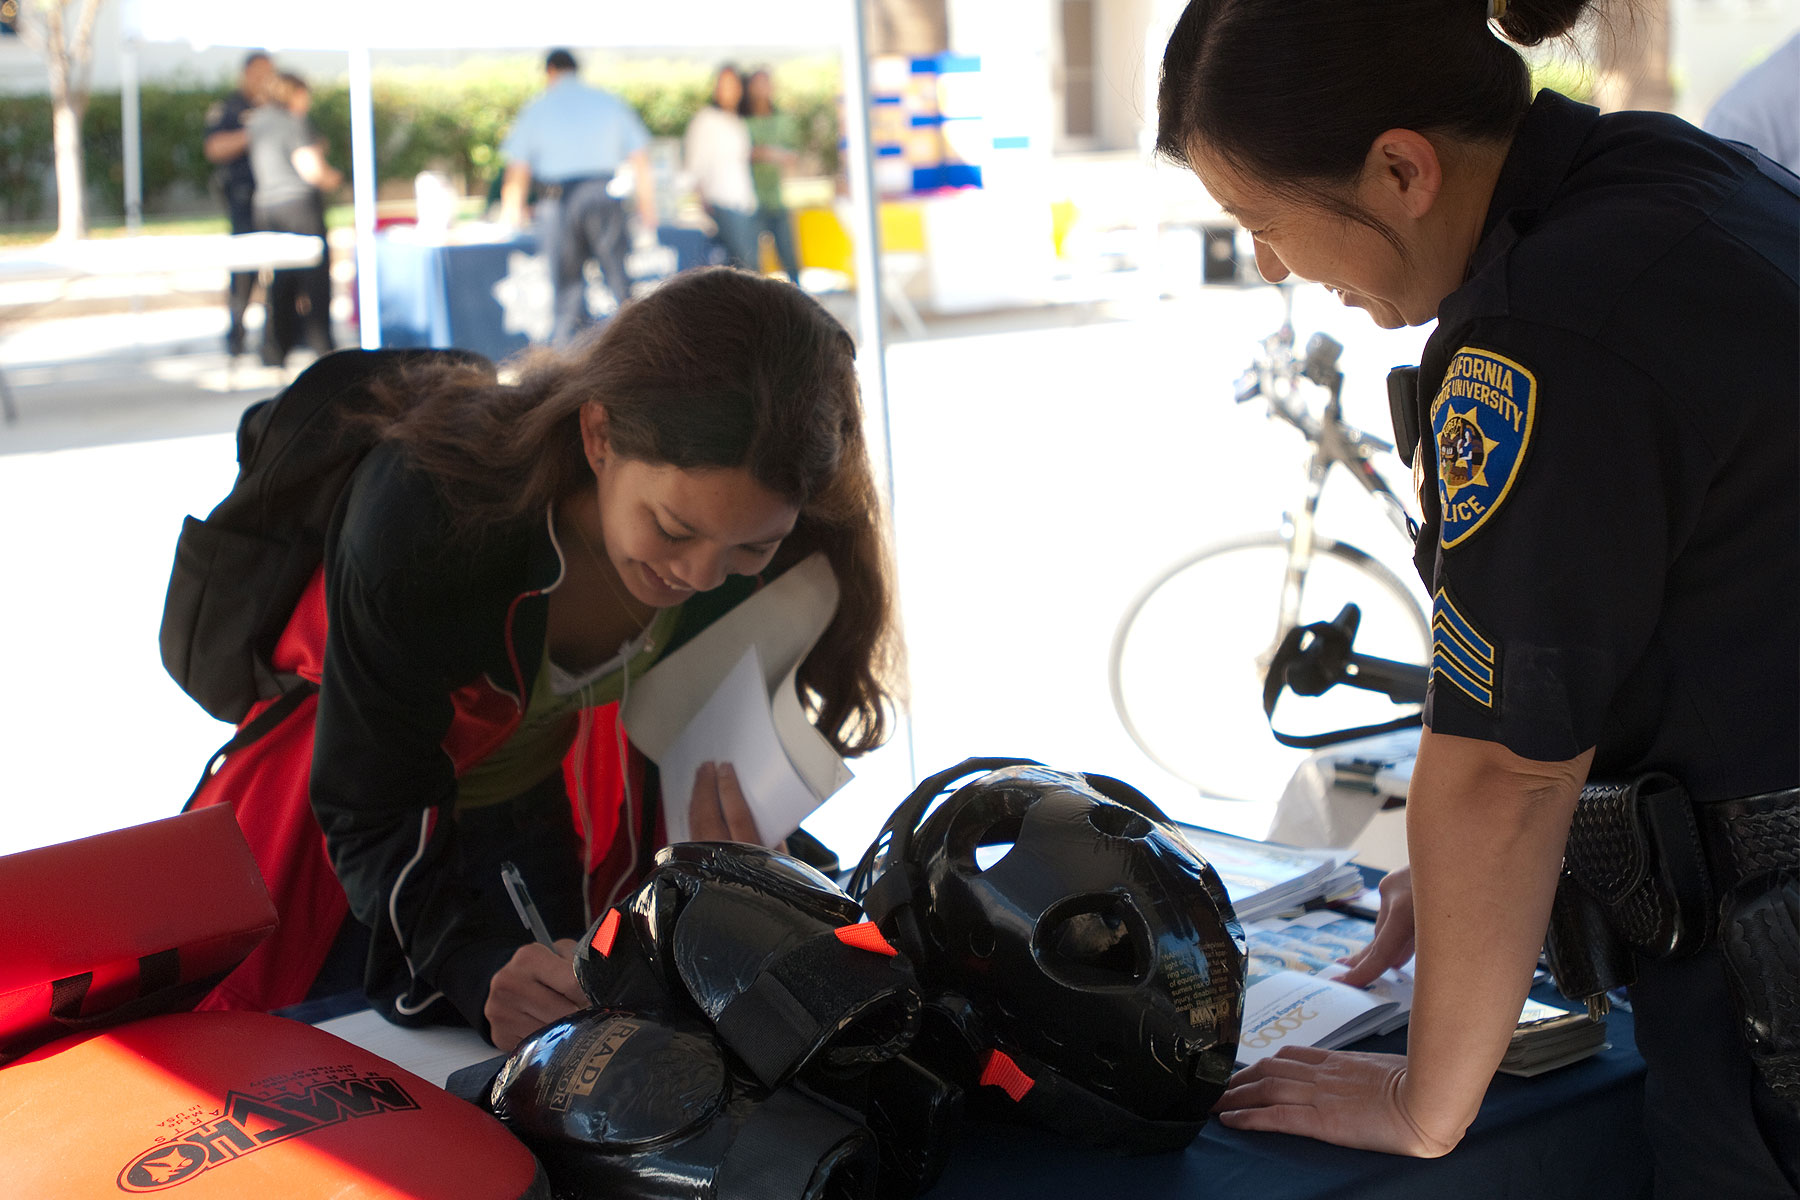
(1610, 421)
(237, 187)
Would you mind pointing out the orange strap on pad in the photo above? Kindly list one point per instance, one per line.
(998, 1070)
(606, 932)
(865, 936)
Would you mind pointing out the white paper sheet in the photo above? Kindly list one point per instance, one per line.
(736, 725)
(782, 621)
(433, 1052)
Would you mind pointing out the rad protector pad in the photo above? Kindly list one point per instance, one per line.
(1094, 973)
(773, 954)
(224, 1105)
(644, 1106)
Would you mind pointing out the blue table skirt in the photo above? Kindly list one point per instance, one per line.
(1574, 1133)
(451, 295)
(1577, 1132)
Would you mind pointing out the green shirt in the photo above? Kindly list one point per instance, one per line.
(547, 728)
(783, 132)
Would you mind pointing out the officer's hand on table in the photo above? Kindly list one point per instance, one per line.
(535, 987)
(1339, 1096)
(1392, 944)
(719, 812)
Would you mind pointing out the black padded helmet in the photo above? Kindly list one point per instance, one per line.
(1094, 973)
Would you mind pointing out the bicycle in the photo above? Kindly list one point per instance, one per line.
(1190, 653)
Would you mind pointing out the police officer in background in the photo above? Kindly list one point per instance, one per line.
(571, 140)
(227, 147)
(1608, 425)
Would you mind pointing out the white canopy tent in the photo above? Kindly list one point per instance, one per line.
(359, 27)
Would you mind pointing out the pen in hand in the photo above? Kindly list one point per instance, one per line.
(521, 898)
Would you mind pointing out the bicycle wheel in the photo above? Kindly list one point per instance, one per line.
(1189, 655)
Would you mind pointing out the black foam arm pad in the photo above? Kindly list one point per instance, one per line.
(781, 986)
(617, 963)
(913, 1112)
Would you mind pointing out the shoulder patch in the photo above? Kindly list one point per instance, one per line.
(1482, 418)
(1460, 654)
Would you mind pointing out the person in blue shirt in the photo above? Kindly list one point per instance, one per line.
(1762, 109)
(1607, 430)
(572, 140)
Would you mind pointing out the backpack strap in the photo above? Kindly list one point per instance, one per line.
(248, 733)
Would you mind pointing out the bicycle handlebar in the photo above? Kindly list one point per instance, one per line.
(1313, 659)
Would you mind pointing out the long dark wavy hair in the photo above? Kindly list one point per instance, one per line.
(715, 368)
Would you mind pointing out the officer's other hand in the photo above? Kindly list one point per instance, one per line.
(1339, 1096)
(643, 238)
(1392, 944)
(720, 813)
(535, 987)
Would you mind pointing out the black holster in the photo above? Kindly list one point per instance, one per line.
(1634, 885)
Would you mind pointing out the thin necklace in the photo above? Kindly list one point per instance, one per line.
(606, 576)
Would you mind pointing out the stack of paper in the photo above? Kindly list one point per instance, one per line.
(1263, 878)
(1549, 1037)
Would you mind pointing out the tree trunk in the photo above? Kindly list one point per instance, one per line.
(66, 58)
(911, 27)
(71, 173)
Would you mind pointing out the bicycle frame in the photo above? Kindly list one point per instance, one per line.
(1335, 443)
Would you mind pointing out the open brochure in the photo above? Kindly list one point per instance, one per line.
(1263, 878)
(1289, 1001)
(728, 696)
(1292, 998)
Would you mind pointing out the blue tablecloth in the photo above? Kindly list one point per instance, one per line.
(1576, 1132)
(452, 295)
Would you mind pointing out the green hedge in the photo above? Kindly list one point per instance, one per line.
(425, 118)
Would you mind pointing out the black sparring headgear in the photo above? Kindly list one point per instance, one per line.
(1095, 973)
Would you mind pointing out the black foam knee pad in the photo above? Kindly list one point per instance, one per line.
(649, 1106)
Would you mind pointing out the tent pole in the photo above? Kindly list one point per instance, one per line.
(362, 186)
(131, 122)
(865, 234)
(865, 237)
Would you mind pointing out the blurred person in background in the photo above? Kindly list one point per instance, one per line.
(1762, 109)
(574, 141)
(774, 137)
(292, 178)
(227, 147)
(716, 154)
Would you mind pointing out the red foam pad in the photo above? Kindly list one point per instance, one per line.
(228, 1105)
(134, 921)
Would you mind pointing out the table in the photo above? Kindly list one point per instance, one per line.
(150, 255)
(490, 295)
(1576, 1132)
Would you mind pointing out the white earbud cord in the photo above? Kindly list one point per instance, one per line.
(626, 815)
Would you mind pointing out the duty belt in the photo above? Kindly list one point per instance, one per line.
(555, 191)
(1750, 835)
(1643, 872)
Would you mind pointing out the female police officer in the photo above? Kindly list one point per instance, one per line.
(1608, 421)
